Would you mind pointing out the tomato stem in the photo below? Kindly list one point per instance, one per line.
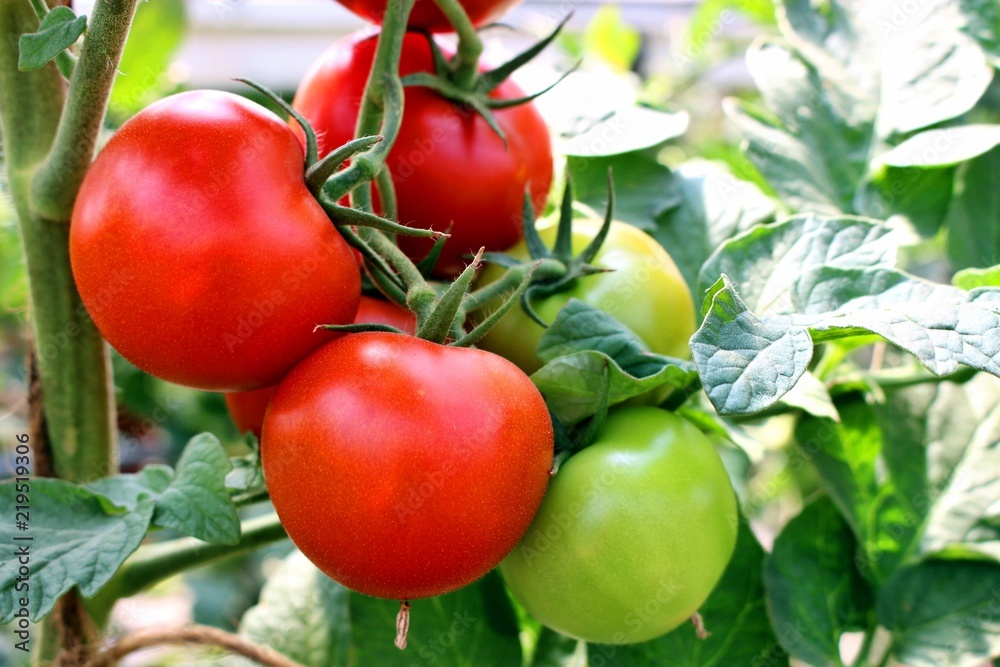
(465, 65)
(59, 177)
(154, 563)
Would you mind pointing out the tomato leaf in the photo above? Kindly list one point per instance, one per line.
(814, 591)
(746, 364)
(311, 619)
(837, 97)
(846, 457)
(690, 210)
(78, 539)
(984, 24)
(943, 146)
(193, 500)
(970, 279)
(713, 206)
(942, 450)
(734, 614)
(819, 279)
(973, 236)
(642, 186)
(626, 130)
(767, 261)
(58, 31)
(943, 613)
(197, 503)
(579, 344)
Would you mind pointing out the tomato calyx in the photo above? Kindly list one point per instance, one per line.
(561, 268)
(451, 78)
(318, 173)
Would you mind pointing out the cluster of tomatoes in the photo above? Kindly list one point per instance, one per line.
(403, 468)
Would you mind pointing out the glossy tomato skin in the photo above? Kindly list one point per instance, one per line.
(247, 408)
(199, 252)
(427, 16)
(451, 171)
(644, 290)
(633, 535)
(405, 469)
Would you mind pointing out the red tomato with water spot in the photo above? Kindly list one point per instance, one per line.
(451, 171)
(247, 407)
(200, 253)
(427, 16)
(405, 469)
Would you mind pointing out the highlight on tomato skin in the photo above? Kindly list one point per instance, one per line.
(166, 245)
(451, 171)
(426, 15)
(405, 469)
(247, 408)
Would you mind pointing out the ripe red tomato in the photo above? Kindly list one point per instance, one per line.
(247, 407)
(200, 253)
(427, 16)
(405, 469)
(449, 168)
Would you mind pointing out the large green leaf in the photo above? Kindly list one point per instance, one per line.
(594, 360)
(815, 594)
(734, 614)
(845, 454)
(713, 205)
(838, 97)
(973, 232)
(942, 449)
(819, 279)
(767, 261)
(78, 538)
(943, 146)
(193, 500)
(642, 186)
(943, 613)
(315, 621)
(984, 24)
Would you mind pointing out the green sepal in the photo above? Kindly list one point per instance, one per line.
(312, 150)
(438, 326)
(361, 327)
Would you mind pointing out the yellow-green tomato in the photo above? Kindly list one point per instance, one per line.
(633, 534)
(644, 290)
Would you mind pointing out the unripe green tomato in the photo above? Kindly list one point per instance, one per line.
(633, 534)
(644, 290)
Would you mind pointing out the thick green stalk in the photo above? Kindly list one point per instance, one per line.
(72, 357)
(59, 178)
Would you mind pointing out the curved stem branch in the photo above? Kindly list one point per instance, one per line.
(58, 179)
(197, 635)
(153, 563)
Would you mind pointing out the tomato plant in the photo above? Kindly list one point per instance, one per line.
(429, 462)
(247, 407)
(438, 140)
(833, 224)
(633, 534)
(212, 179)
(642, 288)
(427, 16)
